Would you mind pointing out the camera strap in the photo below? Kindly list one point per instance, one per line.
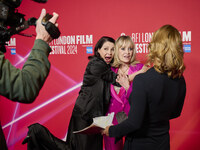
(50, 27)
(52, 30)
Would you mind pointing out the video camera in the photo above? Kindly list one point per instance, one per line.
(12, 22)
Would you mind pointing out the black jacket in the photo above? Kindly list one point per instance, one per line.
(155, 99)
(94, 96)
(93, 101)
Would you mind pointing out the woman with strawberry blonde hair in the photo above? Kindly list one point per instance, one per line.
(157, 95)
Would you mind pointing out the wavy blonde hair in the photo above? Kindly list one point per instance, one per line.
(121, 42)
(166, 51)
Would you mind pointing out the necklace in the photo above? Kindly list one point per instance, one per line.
(124, 72)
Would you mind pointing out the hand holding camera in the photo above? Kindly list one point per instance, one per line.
(47, 27)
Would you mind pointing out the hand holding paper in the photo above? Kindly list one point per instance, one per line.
(106, 131)
(99, 124)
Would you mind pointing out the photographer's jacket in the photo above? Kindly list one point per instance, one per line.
(24, 85)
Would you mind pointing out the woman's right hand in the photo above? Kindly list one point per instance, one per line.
(143, 70)
(105, 131)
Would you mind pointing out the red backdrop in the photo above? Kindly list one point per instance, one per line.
(82, 23)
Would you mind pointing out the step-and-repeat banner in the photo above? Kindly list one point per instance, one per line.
(82, 23)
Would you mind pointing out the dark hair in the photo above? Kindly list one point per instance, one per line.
(99, 44)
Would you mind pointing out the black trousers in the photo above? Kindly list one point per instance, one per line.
(42, 139)
(82, 141)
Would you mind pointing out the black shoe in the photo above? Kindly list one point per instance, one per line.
(26, 140)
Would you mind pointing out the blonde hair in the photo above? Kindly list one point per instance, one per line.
(166, 51)
(121, 42)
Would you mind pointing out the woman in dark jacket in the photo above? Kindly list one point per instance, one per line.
(93, 101)
(94, 97)
(157, 95)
